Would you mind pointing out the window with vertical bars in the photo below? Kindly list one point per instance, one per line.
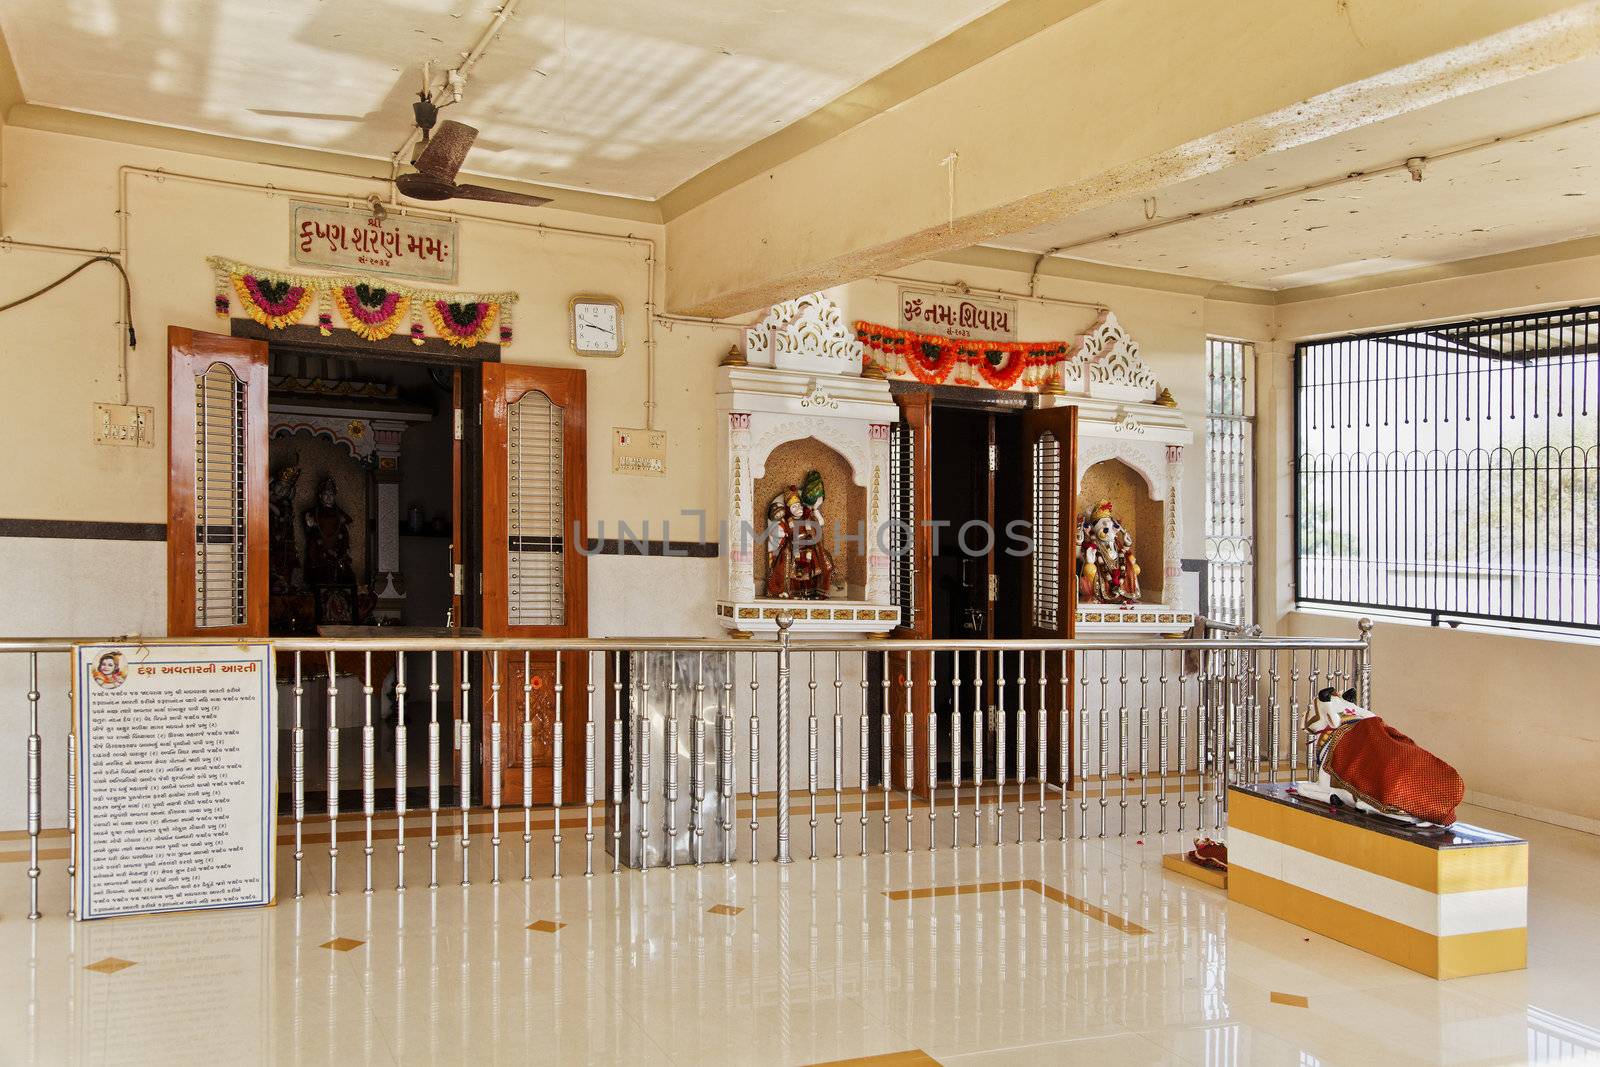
(1449, 472)
(902, 532)
(219, 462)
(1046, 531)
(536, 566)
(1230, 482)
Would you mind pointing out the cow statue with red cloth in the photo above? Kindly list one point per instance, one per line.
(1366, 764)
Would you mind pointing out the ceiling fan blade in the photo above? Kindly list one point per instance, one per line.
(497, 196)
(320, 116)
(424, 187)
(446, 150)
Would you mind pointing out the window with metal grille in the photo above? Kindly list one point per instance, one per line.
(535, 571)
(1450, 472)
(219, 473)
(902, 532)
(1046, 531)
(1230, 482)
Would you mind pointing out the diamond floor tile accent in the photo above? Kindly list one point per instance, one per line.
(724, 909)
(109, 965)
(342, 944)
(545, 926)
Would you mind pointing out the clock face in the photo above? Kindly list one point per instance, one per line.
(596, 327)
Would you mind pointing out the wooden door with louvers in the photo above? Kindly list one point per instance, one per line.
(1050, 438)
(535, 578)
(216, 486)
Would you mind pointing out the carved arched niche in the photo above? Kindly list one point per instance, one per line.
(844, 509)
(1142, 514)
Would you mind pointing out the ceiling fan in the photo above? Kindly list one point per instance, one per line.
(438, 158)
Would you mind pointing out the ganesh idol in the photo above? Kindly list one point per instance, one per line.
(1108, 571)
(798, 567)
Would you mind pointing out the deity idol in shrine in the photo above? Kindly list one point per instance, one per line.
(1108, 572)
(327, 539)
(798, 567)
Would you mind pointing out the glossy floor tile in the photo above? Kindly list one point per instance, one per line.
(1076, 952)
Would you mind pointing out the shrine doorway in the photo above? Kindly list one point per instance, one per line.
(349, 490)
(991, 494)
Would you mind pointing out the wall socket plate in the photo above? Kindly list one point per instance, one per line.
(124, 424)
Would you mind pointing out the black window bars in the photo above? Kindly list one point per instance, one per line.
(1450, 472)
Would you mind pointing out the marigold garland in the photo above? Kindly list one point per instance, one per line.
(371, 312)
(461, 323)
(370, 309)
(932, 359)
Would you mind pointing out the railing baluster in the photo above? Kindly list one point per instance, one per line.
(1083, 745)
(755, 756)
(885, 750)
(1161, 740)
(588, 766)
(558, 765)
(297, 776)
(1105, 739)
(1122, 744)
(1041, 738)
(1144, 742)
(433, 770)
(1202, 736)
(331, 775)
(908, 761)
(641, 771)
(784, 728)
(697, 768)
(35, 784)
(1022, 739)
(72, 805)
(615, 815)
(527, 765)
(863, 729)
(1000, 747)
(838, 758)
(979, 717)
(1183, 741)
(728, 787)
(400, 768)
(955, 748)
(369, 753)
(497, 767)
(464, 766)
(670, 755)
(1064, 736)
(811, 745)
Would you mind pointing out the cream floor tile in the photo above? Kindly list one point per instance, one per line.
(1131, 1050)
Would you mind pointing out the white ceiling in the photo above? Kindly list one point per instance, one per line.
(1520, 193)
(630, 97)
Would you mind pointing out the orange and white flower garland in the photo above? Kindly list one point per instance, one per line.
(936, 360)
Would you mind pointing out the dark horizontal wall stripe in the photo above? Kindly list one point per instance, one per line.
(83, 529)
(613, 547)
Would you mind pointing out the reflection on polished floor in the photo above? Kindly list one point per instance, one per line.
(1083, 953)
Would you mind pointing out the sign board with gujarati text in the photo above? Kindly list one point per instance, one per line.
(325, 235)
(177, 790)
(963, 318)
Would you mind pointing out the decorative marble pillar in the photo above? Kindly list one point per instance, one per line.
(1172, 563)
(743, 531)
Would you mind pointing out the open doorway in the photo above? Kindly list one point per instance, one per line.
(979, 495)
(366, 498)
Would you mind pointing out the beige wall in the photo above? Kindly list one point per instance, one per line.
(1518, 716)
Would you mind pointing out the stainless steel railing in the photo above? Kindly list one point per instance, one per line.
(1006, 736)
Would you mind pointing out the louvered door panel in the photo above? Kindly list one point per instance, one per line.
(534, 578)
(217, 486)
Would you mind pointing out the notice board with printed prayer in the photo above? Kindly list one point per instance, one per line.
(177, 788)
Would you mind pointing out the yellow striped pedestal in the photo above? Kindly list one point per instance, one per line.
(1445, 901)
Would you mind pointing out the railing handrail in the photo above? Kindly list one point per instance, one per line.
(679, 644)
